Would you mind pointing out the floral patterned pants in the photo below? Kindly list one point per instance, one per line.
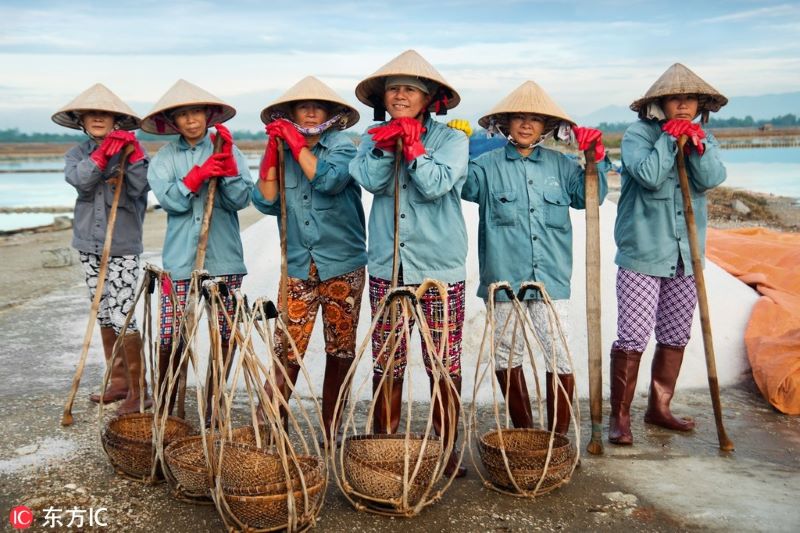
(340, 298)
(118, 291)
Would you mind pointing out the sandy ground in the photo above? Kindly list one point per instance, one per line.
(666, 482)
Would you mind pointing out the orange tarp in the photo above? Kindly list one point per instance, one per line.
(768, 261)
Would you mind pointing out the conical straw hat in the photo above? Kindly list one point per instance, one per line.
(310, 88)
(184, 94)
(528, 98)
(409, 63)
(98, 97)
(678, 79)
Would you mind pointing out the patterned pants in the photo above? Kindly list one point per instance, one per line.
(171, 316)
(434, 316)
(118, 291)
(340, 298)
(554, 349)
(645, 302)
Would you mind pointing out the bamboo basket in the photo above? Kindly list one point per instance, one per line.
(187, 462)
(128, 442)
(255, 489)
(375, 465)
(526, 451)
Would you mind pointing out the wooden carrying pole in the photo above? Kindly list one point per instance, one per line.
(593, 330)
(393, 318)
(284, 282)
(725, 444)
(66, 417)
(199, 263)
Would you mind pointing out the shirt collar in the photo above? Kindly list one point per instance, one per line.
(183, 145)
(324, 139)
(513, 154)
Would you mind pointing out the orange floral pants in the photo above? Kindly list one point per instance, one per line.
(340, 298)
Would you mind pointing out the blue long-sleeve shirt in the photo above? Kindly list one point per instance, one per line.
(325, 219)
(184, 208)
(95, 196)
(651, 230)
(525, 231)
(433, 236)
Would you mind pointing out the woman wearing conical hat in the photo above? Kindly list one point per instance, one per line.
(655, 283)
(325, 233)
(524, 192)
(433, 237)
(179, 175)
(90, 167)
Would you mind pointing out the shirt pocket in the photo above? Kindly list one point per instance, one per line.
(504, 205)
(291, 180)
(108, 193)
(556, 209)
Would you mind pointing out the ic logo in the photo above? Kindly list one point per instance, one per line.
(21, 517)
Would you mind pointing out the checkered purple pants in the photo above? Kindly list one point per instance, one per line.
(434, 316)
(646, 302)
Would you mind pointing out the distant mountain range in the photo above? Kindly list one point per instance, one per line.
(765, 106)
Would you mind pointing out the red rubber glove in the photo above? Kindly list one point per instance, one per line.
(386, 136)
(587, 136)
(229, 167)
(137, 154)
(677, 127)
(100, 158)
(283, 129)
(227, 138)
(270, 160)
(111, 146)
(412, 134)
(213, 167)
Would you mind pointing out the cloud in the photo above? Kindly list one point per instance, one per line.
(778, 11)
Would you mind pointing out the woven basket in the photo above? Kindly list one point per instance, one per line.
(128, 441)
(374, 465)
(247, 435)
(271, 511)
(526, 450)
(247, 470)
(187, 462)
(256, 491)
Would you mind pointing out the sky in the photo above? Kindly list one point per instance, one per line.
(586, 54)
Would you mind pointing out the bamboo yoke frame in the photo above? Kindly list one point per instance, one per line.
(400, 304)
(520, 321)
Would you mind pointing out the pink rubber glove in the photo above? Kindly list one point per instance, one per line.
(213, 167)
(270, 160)
(412, 135)
(587, 136)
(283, 129)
